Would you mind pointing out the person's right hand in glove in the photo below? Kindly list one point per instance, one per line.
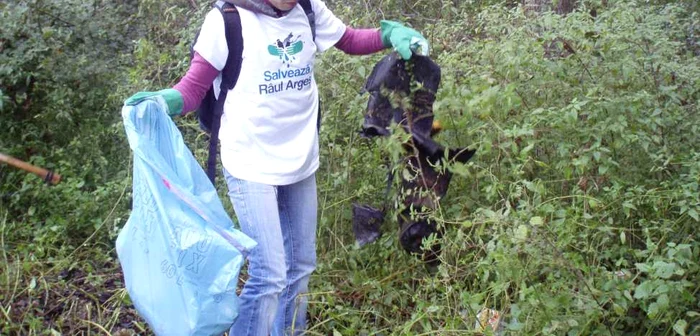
(173, 99)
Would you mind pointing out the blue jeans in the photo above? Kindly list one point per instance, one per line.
(282, 220)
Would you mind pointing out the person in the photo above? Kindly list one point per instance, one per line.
(269, 141)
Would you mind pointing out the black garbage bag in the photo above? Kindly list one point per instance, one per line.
(403, 92)
(393, 76)
(422, 192)
(389, 76)
(413, 230)
(366, 223)
(429, 183)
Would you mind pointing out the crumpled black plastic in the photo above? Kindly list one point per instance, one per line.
(391, 81)
(421, 195)
(366, 223)
(393, 75)
(428, 178)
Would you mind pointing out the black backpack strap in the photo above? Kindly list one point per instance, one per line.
(234, 42)
(229, 77)
(309, 11)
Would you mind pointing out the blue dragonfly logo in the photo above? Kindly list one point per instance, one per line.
(286, 49)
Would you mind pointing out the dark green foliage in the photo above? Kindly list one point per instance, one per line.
(60, 65)
(585, 177)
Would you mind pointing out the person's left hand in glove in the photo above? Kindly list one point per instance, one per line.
(173, 99)
(404, 40)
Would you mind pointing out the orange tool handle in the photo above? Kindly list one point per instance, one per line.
(47, 175)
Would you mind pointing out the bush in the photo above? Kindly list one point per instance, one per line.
(577, 214)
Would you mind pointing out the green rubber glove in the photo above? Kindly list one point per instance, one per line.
(172, 98)
(403, 39)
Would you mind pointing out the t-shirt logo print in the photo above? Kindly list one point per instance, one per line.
(286, 49)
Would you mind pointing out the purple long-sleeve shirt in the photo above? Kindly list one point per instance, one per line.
(194, 85)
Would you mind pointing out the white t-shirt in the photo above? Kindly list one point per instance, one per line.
(268, 130)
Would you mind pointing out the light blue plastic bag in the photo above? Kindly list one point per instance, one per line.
(179, 251)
